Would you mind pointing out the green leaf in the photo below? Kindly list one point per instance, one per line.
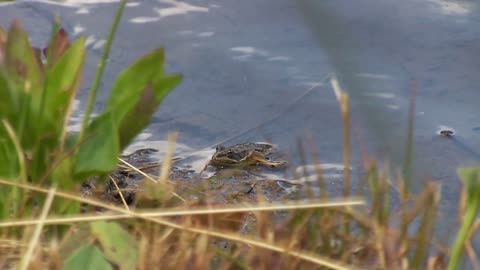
(20, 58)
(58, 45)
(130, 81)
(62, 81)
(118, 245)
(7, 105)
(87, 257)
(136, 119)
(25, 78)
(99, 152)
(470, 177)
(136, 93)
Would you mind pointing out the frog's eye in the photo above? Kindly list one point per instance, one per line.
(229, 152)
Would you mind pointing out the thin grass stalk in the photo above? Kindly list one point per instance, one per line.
(405, 218)
(323, 215)
(318, 167)
(457, 247)
(362, 182)
(321, 261)
(373, 180)
(342, 99)
(405, 177)
(346, 144)
(16, 196)
(407, 162)
(346, 151)
(469, 248)
(167, 163)
(385, 195)
(38, 229)
(379, 197)
(426, 227)
(124, 202)
(101, 66)
(303, 162)
(109, 217)
(386, 202)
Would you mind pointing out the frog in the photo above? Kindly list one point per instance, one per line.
(243, 155)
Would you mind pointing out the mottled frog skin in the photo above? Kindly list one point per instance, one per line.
(242, 155)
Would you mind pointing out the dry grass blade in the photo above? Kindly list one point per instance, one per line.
(318, 167)
(173, 212)
(172, 138)
(119, 192)
(18, 148)
(147, 176)
(227, 236)
(138, 170)
(469, 247)
(342, 99)
(38, 229)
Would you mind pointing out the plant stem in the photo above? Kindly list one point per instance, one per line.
(407, 163)
(471, 212)
(101, 67)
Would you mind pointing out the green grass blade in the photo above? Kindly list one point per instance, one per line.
(101, 67)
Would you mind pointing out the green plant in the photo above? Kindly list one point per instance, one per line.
(471, 182)
(37, 90)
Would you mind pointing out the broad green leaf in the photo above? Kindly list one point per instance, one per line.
(25, 79)
(130, 82)
(99, 152)
(117, 244)
(136, 93)
(57, 46)
(65, 206)
(136, 119)
(70, 243)
(468, 174)
(20, 59)
(470, 177)
(87, 257)
(62, 81)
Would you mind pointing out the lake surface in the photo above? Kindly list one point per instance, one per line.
(257, 71)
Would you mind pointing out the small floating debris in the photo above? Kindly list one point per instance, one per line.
(446, 132)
